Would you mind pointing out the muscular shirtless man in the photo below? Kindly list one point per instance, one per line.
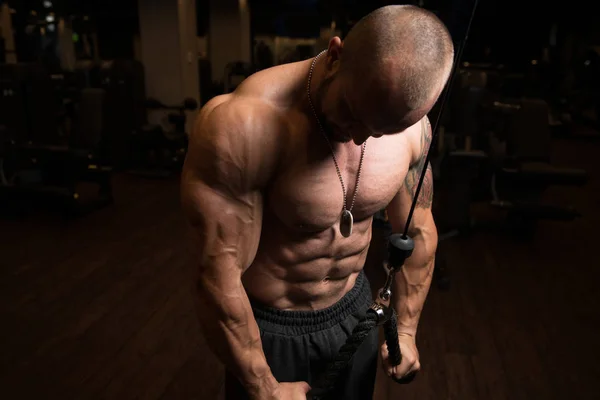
(280, 184)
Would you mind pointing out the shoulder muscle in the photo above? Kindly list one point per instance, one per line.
(234, 145)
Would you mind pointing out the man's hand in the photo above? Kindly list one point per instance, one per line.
(293, 390)
(410, 357)
(286, 391)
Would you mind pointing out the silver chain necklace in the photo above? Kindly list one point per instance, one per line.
(346, 219)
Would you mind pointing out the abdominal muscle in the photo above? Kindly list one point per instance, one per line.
(296, 270)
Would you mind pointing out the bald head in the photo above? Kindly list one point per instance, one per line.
(405, 51)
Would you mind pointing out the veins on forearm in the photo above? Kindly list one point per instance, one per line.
(412, 286)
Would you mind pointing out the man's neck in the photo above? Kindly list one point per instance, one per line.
(318, 73)
(316, 81)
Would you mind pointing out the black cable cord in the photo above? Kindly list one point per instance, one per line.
(447, 91)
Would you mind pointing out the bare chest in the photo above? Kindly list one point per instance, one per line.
(308, 194)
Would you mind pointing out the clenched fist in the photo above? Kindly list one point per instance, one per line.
(410, 357)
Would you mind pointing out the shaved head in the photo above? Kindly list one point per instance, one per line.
(386, 75)
(403, 52)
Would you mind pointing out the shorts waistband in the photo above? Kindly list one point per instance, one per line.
(300, 322)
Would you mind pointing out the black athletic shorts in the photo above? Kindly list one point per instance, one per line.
(298, 344)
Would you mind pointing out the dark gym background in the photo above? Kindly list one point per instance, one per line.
(97, 98)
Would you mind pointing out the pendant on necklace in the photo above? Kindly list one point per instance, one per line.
(346, 222)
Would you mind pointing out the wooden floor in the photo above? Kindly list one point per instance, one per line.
(100, 307)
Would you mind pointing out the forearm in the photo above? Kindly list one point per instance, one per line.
(412, 282)
(232, 334)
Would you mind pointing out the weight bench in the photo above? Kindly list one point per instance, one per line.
(526, 171)
(518, 180)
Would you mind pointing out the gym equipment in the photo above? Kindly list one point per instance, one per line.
(29, 91)
(47, 164)
(504, 160)
(13, 120)
(522, 169)
(579, 102)
(125, 110)
(67, 91)
(156, 152)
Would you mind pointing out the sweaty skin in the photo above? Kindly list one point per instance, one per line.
(263, 198)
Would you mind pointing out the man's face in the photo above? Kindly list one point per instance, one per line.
(356, 109)
(337, 117)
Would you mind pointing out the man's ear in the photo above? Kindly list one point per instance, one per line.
(334, 53)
